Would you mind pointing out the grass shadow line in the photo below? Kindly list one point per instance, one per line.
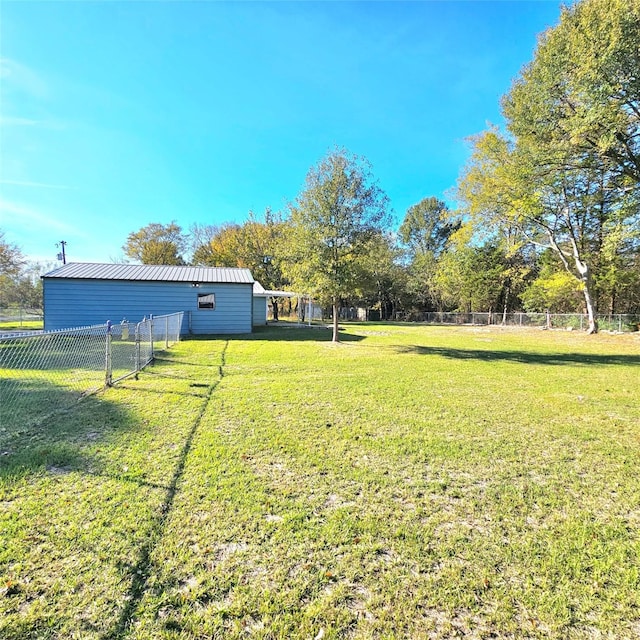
(522, 357)
(141, 572)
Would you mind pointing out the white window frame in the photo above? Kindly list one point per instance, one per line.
(207, 305)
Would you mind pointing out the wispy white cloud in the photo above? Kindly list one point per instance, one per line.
(12, 121)
(18, 76)
(46, 122)
(34, 185)
(29, 216)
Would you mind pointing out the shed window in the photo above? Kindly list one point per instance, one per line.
(206, 301)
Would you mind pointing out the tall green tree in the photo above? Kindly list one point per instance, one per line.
(425, 232)
(19, 281)
(581, 92)
(263, 242)
(333, 224)
(257, 244)
(157, 244)
(384, 277)
(550, 202)
(473, 277)
(617, 276)
(553, 289)
(264, 249)
(427, 227)
(11, 263)
(11, 258)
(567, 174)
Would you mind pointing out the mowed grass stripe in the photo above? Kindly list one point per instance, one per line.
(81, 496)
(412, 482)
(366, 490)
(142, 570)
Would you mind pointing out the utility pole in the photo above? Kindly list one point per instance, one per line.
(62, 256)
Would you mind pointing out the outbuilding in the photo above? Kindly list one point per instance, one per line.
(259, 305)
(215, 300)
(307, 310)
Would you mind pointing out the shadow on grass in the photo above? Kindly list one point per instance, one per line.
(141, 572)
(46, 427)
(62, 444)
(165, 392)
(164, 359)
(26, 401)
(287, 333)
(523, 357)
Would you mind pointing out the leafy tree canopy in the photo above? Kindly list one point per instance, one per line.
(157, 244)
(581, 93)
(333, 222)
(255, 245)
(19, 281)
(11, 258)
(427, 227)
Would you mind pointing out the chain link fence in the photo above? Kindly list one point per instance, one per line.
(21, 317)
(43, 372)
(570, 321)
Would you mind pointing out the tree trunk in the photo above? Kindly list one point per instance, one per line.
(585, 275)
(506, 305)
(612, 302)
(588, 299)
(335, 321)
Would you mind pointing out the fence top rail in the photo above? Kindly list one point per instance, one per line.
(6, 335)
(96, 329)
(150, 317)
(166, 315)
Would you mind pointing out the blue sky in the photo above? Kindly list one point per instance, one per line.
(118, 114)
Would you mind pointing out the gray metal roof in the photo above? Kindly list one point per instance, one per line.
(147, 272)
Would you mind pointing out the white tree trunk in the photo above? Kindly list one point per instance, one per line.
(585, 275)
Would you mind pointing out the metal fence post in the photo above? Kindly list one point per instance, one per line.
(137, 351)
(108, 376)
(166, 332)
(151, 335)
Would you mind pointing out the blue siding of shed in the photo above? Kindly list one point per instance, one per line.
(259, 311)
(77, 302)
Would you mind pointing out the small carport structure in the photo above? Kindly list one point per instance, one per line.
(261, 307)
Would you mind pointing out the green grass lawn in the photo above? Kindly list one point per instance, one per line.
(410, 482)
(21, 325)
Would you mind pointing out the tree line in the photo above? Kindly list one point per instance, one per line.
(547, 213)
(20, 284)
